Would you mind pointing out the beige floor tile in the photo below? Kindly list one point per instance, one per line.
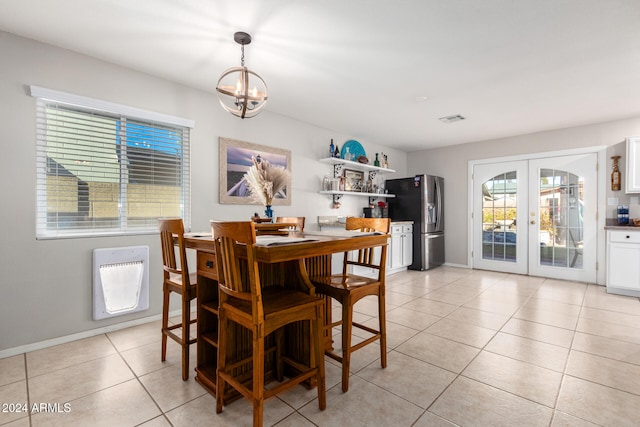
(159, 421)
(547, 317)
(435, 308)
(396, 333)
(609, 330)
(147, 358)
(126, 339)
(14, 395)
(539, 332)
(124, 404)
(523, 379)
(364, 403)
(22, 422)
(480, 318)
(201, 412)
(429, 419)
(414, 380)
(367, 306)
(601, 370)
(168, 389)
(560, 419)
(466, 287)
(74, 382)
(535, 352)
(555, 290)
(300, 395)
(464, 333)
(492, 306)
(295, 420)
(417, 289)
(438, 351)
(606, 347)
(12, 369)
(69, 354)
(411, 318)
(448, 297)
(396, 299)
(598, 404)
(625, 319)
(506, 298)
(557, 307)
(468, 402)
(612, 302)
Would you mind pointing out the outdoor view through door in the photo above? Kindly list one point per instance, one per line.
(533, 216)
(561, 221)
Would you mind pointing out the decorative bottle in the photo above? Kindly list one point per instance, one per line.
(336, 153)
(376, 162)
(616, 176)
(332, 148)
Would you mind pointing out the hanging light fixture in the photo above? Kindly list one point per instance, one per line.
(242, 92)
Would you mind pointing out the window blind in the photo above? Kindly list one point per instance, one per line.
(100, 172)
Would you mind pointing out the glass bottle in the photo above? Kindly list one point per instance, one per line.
(616, 176)
(347, 154)
(376, 162)
(332, 148)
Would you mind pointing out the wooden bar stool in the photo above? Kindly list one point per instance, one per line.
(176, 279)
(293, 219)
(348, 289)
(262, 312)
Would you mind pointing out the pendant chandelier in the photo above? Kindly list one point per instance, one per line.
(242, 92)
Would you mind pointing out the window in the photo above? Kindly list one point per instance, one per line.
(107, 169)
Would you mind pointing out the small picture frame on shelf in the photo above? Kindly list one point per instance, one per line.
(353, 180)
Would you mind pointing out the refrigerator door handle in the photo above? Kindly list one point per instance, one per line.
(439, 204)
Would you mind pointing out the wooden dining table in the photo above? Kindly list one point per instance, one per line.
(282, 263)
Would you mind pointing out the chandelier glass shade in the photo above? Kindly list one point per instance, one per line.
(241, 91)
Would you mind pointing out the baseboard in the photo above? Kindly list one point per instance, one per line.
(81, 335)
(450, 264)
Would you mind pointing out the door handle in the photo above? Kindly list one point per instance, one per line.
(533, 221)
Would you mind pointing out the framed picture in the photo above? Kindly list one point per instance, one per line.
(353, 180)
(235, 160)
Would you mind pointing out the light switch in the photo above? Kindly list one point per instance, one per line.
(612, 201)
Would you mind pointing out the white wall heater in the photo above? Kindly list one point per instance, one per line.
(120, 281)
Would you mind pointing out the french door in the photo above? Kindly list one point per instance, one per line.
(537, 217)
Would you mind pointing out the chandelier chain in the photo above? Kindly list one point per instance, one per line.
(242, 57)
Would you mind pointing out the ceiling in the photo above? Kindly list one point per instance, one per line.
(381, 71)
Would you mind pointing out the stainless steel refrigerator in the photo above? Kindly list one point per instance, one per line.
(420, 199)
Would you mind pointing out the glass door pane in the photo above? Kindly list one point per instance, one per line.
(561, 221)
(499, 217)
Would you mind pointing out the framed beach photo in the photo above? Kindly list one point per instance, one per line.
(236, 159)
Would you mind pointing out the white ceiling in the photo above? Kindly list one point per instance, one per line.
(361, 67)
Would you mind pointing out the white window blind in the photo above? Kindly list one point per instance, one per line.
(100, 172)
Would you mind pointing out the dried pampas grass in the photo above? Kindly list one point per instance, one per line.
(265, 181)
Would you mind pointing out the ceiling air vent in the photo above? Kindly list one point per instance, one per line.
(451, 119)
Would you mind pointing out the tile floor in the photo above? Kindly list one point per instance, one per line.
(465, 348)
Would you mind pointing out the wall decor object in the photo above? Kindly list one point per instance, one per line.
(236, 159)
(354, 180)
(616, 176)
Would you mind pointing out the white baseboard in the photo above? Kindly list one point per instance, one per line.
(450, 264)
(81, 335)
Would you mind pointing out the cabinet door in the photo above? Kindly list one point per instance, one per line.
(623, 266)
(633, 165)
(396, 250)
(407, 249)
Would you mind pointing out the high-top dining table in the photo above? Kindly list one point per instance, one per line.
(285, 260)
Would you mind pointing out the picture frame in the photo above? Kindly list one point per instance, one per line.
(352, 178)
(236, 159)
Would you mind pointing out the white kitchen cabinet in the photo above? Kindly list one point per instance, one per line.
(400, 252)
(623, 262)
(633, 165)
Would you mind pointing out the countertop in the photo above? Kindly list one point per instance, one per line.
(612, 224)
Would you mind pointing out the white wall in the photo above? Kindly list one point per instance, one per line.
(45, 290)
(452, 164)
